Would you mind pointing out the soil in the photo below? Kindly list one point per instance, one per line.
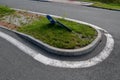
(28, 14)
(8, 25)
(13, 26)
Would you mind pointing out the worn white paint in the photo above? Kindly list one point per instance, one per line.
(18, 44)
(80, 64)
(58, 63)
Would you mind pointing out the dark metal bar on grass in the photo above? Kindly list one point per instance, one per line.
(62, 25)
(52, 21)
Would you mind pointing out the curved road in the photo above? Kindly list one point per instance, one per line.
(15, 65)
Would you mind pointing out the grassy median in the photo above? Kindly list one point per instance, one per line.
(110, 6)
(40, 28)
(107, 4)
(56, 36)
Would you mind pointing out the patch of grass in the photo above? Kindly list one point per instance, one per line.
(4, 10)
(108, 1)
(84, 30)
(56, 36)
(107, 5)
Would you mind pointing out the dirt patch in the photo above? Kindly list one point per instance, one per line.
(8, 25)
(18, 19)
(28, 14)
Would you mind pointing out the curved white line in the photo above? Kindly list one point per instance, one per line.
(18, 44)
(58, 63)
(65, 64)
(79, 64)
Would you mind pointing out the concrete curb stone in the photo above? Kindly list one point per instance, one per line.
(58, 51)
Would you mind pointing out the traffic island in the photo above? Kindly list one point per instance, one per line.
(37, 29)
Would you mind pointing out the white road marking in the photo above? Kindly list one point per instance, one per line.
(64, 64)
(18, 44)
(58, 63)
(79, 64)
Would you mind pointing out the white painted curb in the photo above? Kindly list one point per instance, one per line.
(65, 64)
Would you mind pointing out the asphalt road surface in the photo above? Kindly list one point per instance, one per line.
(16, 65)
